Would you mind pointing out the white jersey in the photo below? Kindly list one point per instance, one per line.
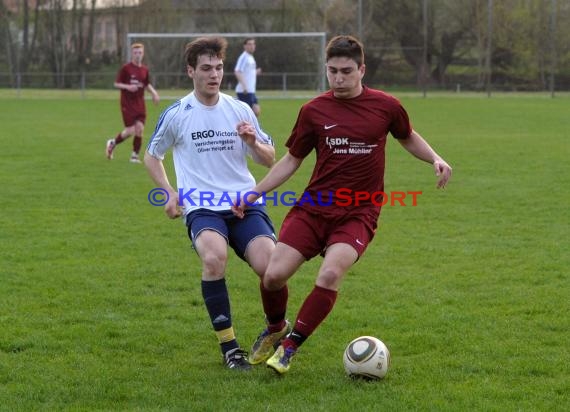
(247, 66)
(210, 159)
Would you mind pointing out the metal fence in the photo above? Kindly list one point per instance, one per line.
(283, 83)
(279, 84)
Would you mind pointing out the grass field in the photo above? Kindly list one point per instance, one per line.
(100, 303)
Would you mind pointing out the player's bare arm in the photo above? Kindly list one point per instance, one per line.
(129, 87)
(416, 145)
(241, 79)
(154, 93)
(262, 153)
(157, 173)
(279, 174)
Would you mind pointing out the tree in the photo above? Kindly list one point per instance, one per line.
(59, 35)
(6, 37)
(81, 37)
(449, 33)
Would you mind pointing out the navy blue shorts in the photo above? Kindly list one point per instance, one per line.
(249, 98)
(237, 232)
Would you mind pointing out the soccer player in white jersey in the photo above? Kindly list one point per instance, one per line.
(211, 134)
(246, 72)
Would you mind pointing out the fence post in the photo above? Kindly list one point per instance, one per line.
(553, 49)
(82, 82)
(424, 53)
(489, 46)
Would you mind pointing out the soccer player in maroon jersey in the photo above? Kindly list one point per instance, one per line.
(347, 126)
(132, 79)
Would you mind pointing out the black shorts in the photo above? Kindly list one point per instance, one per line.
(249, 98)
(237, 232)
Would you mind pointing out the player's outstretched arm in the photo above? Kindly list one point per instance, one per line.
(416, 145)
(277, 175)
(157, 173)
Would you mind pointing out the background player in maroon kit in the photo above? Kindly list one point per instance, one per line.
(347, 127)
(132, 79)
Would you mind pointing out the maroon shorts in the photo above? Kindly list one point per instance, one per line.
(311, 234)
(130, 117)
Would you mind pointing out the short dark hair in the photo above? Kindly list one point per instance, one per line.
(248, 39)
(212, 46)
(346, 46)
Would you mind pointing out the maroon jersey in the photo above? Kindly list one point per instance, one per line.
(132, 103)
(349, 138)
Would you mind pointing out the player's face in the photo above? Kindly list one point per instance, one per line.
(207, 77)
(250, 46)
(137, 55)
(345, 77)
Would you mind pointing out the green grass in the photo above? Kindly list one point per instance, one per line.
(100, 303)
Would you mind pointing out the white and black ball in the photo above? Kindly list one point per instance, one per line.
(366, 357)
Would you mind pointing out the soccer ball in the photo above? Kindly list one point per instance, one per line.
(366, 357)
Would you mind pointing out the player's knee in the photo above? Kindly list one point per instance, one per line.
(273, 281)
(329, 277)
(213, 263)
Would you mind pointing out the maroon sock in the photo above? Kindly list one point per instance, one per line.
(137, 142)
(119, 138)
(314, 310)
(274, 306)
